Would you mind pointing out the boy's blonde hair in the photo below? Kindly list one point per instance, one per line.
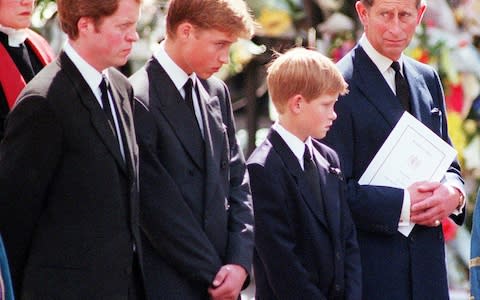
(229, 16)
(302, 72)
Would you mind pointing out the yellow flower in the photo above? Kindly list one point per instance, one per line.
(274, 22)
(455, 130)
(470, 126)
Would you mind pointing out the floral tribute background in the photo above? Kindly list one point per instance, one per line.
(448, 39)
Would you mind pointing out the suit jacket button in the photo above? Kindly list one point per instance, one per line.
(337, 288)
(224, 164)
(190, 172)
(337, 255)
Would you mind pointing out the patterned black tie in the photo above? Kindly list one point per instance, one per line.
(106, 104)
(401, 85)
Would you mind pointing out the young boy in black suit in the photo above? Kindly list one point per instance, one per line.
(305, 240)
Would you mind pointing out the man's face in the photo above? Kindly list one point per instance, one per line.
(205, 51)
(111, 40)
(16, 14)
(390, 24)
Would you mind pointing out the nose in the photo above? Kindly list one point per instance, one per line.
(333, 115)
(26, 2)
(224, 56)
(395, 24)
(133, 36)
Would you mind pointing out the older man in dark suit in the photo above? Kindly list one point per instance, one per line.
(399, 232)
(198, 235)
(68, 165)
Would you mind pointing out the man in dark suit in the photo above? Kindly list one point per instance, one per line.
(198, 234)
(305, 243)
(68, 165)
(400, 237)
(23, 53)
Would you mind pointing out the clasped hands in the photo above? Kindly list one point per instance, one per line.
(430, 202)
(228, 283)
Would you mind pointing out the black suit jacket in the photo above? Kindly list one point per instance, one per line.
(195, 195)
(404, 268)
(69, 204)
(301, 252)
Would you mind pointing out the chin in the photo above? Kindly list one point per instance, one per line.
(204, 75)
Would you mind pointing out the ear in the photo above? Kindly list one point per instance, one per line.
(421, 12)
(85, 24)
(362, 12)
(184, 30)
(295, 104)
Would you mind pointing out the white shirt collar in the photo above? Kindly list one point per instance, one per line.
(293, 142)
(89, 73)
(15, 36)
(383, 63)
(176, 74)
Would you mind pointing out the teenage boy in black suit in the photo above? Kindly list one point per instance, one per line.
(198, 234)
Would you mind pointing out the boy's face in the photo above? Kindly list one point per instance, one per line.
(205, 51)
(317, 116)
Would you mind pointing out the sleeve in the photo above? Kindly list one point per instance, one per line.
(453, 176)
(353, 272)
(166, 219)
(29, 155)
(240, 217)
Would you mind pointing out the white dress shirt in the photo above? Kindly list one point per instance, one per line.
(179, 78)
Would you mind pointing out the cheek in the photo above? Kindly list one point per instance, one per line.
(202, 57)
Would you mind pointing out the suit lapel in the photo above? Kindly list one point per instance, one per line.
(97, 116)
(169, 102)
(421, 98)
(292, 165)
(214, 137)
(374, 87)
(330, 191)
(123, 107)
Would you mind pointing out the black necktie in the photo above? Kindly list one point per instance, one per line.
(401, 85)
(105, 87)
(311, 175)
(188, 88)
(106, 104)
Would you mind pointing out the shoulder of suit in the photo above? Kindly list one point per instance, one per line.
(140, 84)
(345, 66)
(422, 68)
(328, 153)
(116, 75)
(214, 86)
(260, 154)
